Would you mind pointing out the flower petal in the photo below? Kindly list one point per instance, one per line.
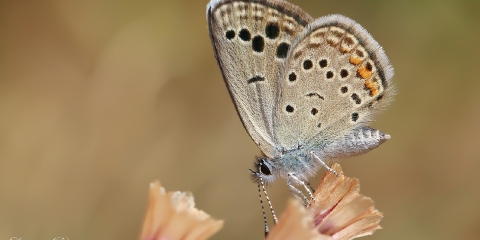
(173, 216)
(340, 211)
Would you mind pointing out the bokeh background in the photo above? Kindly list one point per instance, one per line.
(100, 98)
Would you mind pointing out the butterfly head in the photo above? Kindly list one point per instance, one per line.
(263, 171)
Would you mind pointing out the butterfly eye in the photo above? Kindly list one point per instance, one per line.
(264, 169)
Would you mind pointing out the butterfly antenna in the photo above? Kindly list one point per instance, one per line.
(263, 209)
(275, 220)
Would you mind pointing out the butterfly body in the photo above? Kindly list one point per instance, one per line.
(304, 162)
(304, 89)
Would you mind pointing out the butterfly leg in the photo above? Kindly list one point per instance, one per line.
(310, 186)
(298, 195)
(295, 192)
(295, 178)
(324, 164)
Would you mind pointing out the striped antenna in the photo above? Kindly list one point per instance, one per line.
(275, 220)
(263, 209)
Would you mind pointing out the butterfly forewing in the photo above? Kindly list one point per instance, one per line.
(251, 40)
(335, 78)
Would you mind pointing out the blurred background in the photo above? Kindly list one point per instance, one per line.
(100, 98)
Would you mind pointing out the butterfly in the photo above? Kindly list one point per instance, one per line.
(305, 89)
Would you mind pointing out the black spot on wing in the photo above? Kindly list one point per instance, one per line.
(272, 30)
(323, 63)
(256, 79)
(282, 50)
(230, 34)
(315, 95)
(258, 44)
(292, 77)
(289, 109)
(245, 35)
(307, 64)
(356, 98)
(355, 117)
(329, 75)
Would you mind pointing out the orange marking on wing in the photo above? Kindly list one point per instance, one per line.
(364, 72)
(371, 86)
(354, 60)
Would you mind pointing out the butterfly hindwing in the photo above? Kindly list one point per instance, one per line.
(335, 79)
